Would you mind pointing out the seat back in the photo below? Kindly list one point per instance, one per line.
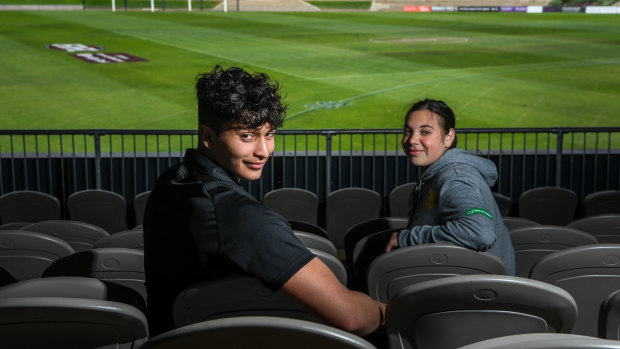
(102, 208)
(139, 204)
(398, 199)
(79, 235)
(257, 332)
(347, 207)
(366, 250)
(606, 227)
(513, 223)
(68, 313)
(28, 206)
(316, 242)
(548, 205)
(393, 271)
(333, 263)
(504, 203)
(127, 239)
(455, 311)
(589, 273)
(27, 254)
(533, 243)
(601, 202)
(368, 227)
(308, 228)
(231, 296)
(609, 317)
(294, 204)
(124, 266)
(544, 341)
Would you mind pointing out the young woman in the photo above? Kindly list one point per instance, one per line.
(452, 202)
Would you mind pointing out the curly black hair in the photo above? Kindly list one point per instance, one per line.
(235, 95)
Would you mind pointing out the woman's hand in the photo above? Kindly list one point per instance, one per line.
(393, 244)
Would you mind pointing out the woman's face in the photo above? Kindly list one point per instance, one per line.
(424, 140)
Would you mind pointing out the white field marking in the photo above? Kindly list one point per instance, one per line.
(475, 98)
(447, 39)
(516, 122)
(598, 117)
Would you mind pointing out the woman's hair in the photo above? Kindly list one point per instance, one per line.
(441, 109)
(234, 95)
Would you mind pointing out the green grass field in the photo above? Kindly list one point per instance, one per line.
(337, 70)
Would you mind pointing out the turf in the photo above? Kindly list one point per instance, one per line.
(336, 69)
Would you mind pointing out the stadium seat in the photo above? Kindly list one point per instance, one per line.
(533, 243)
(102, 208)
(28, 206)
(400, 268)
(455, 311)
(504, 203)
(79, 235)
(139, 204)
(399, 199)
(589, 273)
(127, 239)
(294, 204)
(545, 341)
(601, 202)
(347, 207)
(548, 205)
(513, 223)
(257, 332)
(316, 242)
(606, 227)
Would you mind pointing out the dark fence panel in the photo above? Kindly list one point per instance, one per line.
(60, 163)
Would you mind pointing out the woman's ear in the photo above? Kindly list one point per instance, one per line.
(449, 138)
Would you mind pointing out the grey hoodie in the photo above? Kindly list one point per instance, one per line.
(453, 203)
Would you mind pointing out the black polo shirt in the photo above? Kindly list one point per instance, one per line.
(200, 224)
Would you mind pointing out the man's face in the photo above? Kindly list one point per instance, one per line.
(241, 151)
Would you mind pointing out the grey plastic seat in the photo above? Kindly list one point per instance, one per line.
(366, 228)
(124, 266)
(127, 239)
(545, 341)
(28, 206)
(455, 311)
(589, 273)
(513, 223)
(102, 208)
(294, 204)
(68, 313)
(333, 263)
(394, 271)
(366, 250)
(14, 225)
(347, 207)
(609, 317)
(308, 228)
(79, 235)
(139, 204)
(257, 332)
(504, 203)
(316, 242)
(27, 254)
(399, 199)
(232, 296)
(533, 243)
(601, 202)
(606, 228)
(6, 277)
(548, 205)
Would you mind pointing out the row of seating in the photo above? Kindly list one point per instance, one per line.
(463, 311)
(103, 208)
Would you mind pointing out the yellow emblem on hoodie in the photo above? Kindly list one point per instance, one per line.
(430, 199)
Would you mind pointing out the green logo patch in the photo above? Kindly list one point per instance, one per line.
(477, 210)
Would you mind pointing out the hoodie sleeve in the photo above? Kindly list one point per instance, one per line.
(464, 217)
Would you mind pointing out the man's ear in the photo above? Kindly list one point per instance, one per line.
(206, 135)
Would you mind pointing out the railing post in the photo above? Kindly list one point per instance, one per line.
(328, 163)
(558, 158)
(97, 139)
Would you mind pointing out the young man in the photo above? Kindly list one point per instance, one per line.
(200, 224)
